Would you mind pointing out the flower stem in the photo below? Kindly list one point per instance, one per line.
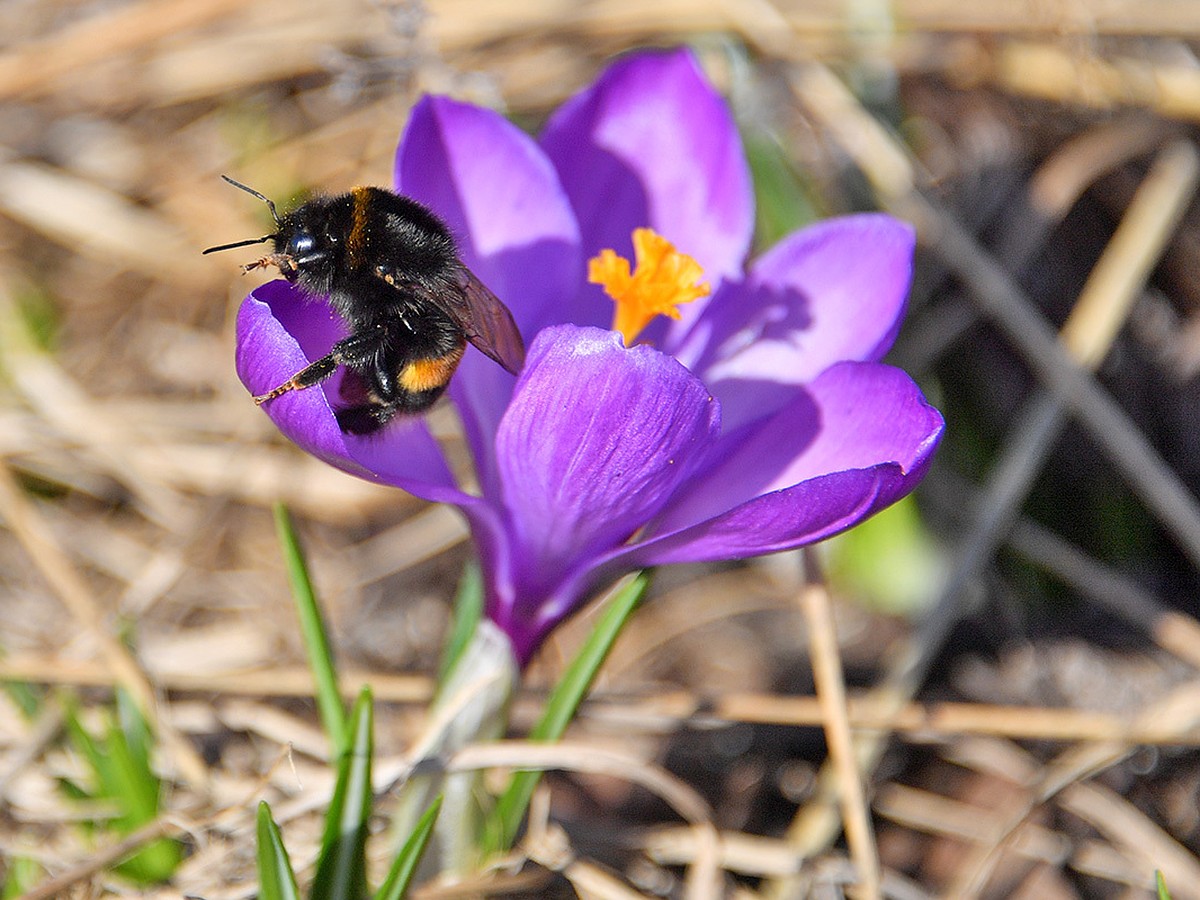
(471, 706)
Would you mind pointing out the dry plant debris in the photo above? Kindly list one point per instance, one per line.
(1034, 737)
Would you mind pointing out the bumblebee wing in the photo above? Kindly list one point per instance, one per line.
(487, 322)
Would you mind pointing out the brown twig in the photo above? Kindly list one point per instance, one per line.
(830, 685)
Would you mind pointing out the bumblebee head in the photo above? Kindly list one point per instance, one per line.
(306, 242)
(308, 246)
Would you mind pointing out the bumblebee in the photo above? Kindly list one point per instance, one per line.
(391, 269)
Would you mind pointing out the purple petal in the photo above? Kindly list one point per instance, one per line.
(279, 332)
(652, 143)
(808, 512)
(596, 440)
(499, 194)
(782, 520)
(833, 291)
(855, 416)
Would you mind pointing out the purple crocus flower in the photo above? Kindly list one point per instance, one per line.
(758, 419)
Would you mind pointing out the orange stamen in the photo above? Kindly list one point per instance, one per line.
(662, 279)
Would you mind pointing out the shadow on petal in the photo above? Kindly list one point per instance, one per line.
(831, 292)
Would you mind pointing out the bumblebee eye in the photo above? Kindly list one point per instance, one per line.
(301, 245)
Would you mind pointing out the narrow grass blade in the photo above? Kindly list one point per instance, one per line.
(468, 609)
(316, 637)
(1160, 885)
(136, 790)
(25, 697)
(83, 744)
(395, 886)
(276, 880)
(131, 780)
(121, 775)
(22, 875)
(782, 201)
(342, 867)
(562, 704)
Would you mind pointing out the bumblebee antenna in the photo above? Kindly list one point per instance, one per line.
(247, 243)
(253, 193)
(266, 237)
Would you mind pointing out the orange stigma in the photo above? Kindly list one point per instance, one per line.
(662, 279)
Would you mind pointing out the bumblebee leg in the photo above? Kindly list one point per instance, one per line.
(369, 418)
(361, 349)
(306, 377)
(385, 378)
(364, 420)
(357, 351)
(282, 261)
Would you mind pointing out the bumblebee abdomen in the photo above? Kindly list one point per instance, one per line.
(429, 373)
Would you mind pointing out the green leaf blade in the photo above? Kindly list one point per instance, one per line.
(276, 880)
(396, 885)
(468, 610)
(316, 635)
(342, 867)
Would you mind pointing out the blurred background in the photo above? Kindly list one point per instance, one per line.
(1020, 640)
